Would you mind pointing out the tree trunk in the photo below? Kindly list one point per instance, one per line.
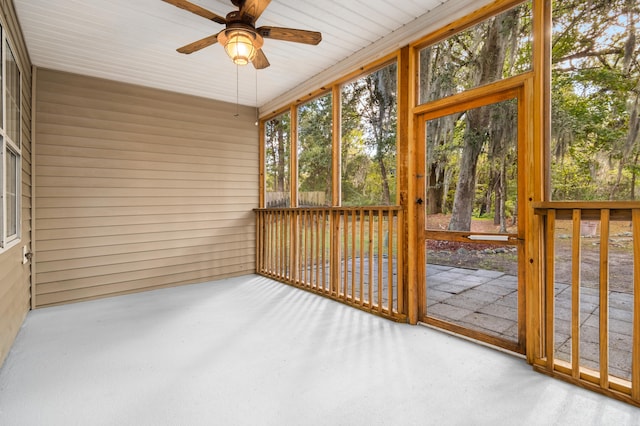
(435, 186)
(502, 184)
(498, 200)
(386, 193)
(281, 167)
(633, 177)
(490, 62)
(464, 199)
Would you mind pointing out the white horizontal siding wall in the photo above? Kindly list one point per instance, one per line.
(139, 188)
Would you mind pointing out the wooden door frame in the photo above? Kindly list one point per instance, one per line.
(518, 88)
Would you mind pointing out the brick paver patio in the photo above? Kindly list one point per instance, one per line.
(486, 301)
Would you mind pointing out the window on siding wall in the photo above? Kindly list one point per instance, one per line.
(315, 141)
(12, 194)
(12, 96)
(10, 143)
(277, 161)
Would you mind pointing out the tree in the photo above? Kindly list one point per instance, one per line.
(369, 119)
(596, 84)
(437, 80)
(489, 67)
(277, 156)
(315, 138)
(494, 49)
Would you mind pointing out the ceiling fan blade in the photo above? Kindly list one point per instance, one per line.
(289, 34)
(260, 61)
(194, 8)
(252, 9)
(200, 44)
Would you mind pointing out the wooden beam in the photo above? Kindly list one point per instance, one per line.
(336, 157)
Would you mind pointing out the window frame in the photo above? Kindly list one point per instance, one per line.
(373, 68)
(334, 88)
(266, 172)
(295, 173)
(7, 144)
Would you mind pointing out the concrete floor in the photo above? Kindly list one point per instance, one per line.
(252, 351)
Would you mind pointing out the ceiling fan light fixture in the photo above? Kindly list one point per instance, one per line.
(241, 45)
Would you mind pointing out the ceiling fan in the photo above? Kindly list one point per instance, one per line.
(241, 39)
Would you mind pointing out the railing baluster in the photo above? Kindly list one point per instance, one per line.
(274, 244)
(284, 244)
(371, 228)
(306, 215)
(380, 253)
(334, 260)
(295, 260)
(299, 239)
(310, 239)
(268, 220)
(399, 262)
(258, 241)
(362, 251)
(324, 249)
(345, 252)
(287, 249)
(604, 298)
(279, 243)
(316, 260)
(550, 286)
(575, 295)
(302, 232)
(353, 255)
(390, 260)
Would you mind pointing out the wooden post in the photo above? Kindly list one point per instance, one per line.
(404, 107)
(635, 351)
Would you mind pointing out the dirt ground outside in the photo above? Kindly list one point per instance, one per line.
(504, 258)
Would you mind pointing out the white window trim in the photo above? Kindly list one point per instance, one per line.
(7, 242)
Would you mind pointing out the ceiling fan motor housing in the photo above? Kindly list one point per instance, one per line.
(240, 38)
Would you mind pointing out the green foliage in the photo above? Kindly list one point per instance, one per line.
(315, 127)
(369, 120)
(456, 63)
(595, 87)
(472, 156)
(278, 153)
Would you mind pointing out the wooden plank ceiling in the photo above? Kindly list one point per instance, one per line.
(136, 41)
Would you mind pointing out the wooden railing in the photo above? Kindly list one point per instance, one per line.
(587, 309)
(353, 255)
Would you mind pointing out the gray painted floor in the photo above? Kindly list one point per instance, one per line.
(252, 351)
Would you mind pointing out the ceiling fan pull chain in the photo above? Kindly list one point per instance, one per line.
(257, 110)
(237, 114)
